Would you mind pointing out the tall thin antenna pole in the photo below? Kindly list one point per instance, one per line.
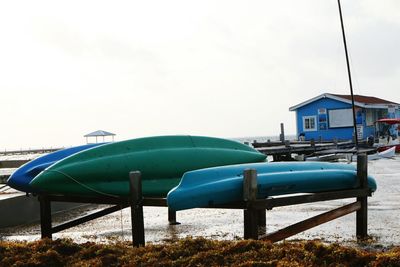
(349, 74)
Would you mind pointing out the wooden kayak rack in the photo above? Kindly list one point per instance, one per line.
(254, 209)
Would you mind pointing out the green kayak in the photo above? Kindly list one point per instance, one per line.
(162, 160)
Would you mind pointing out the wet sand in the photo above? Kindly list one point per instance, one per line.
(383, 219)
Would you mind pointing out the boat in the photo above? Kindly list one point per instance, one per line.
(222, 185)
(21, 178)
(350, 155)
(385, 154)
(162, 160)
(385, 139)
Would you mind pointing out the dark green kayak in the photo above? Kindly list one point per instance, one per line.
(162, 160)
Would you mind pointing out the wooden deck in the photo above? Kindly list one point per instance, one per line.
(29, 151)
(283, 151)
(16, 158)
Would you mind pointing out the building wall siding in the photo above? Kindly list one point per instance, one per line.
(343, 133)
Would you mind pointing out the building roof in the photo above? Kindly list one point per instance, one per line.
(367, 99)
(99, 133)
(359, 101)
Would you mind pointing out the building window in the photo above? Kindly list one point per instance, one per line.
(340, 118)
(309, 123)
(370, 117)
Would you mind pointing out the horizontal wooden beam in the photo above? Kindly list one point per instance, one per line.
(158, 202)
(86, 218)
(311, 222)
(155, 202)
(233, 205)
(270, 203)
(88, 199)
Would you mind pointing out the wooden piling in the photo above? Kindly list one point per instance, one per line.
(282, 135)
(312, 143)
(362, 213)
(249, 196)
(287, 144)
(335, 142)
(135, 185)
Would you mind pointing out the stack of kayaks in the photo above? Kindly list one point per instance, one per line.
(194, 171)
(162, 160)
(222, 185)
(21, 178)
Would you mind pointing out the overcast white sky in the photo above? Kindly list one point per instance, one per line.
(215, 68)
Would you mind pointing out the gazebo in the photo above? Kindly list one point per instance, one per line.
(98, 133)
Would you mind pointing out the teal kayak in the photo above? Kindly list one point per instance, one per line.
(222, 185)
(162, 160)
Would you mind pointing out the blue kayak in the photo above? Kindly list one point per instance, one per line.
(21, 178)
(222, 185)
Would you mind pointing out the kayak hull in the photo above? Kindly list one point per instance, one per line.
(161, 160)
(222, 185)
(21, 178)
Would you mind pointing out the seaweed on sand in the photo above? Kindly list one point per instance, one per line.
(191, 252)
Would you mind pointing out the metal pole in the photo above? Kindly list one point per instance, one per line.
(349, 74)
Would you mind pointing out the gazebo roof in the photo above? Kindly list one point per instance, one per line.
(99, 133)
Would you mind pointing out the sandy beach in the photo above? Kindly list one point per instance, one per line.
(383, 219)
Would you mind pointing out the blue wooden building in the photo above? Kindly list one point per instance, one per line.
(329, 116)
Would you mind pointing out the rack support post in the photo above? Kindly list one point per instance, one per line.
(362, 213)
(135, 186)
(249, 196)
(45, 217)
(172, 217)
